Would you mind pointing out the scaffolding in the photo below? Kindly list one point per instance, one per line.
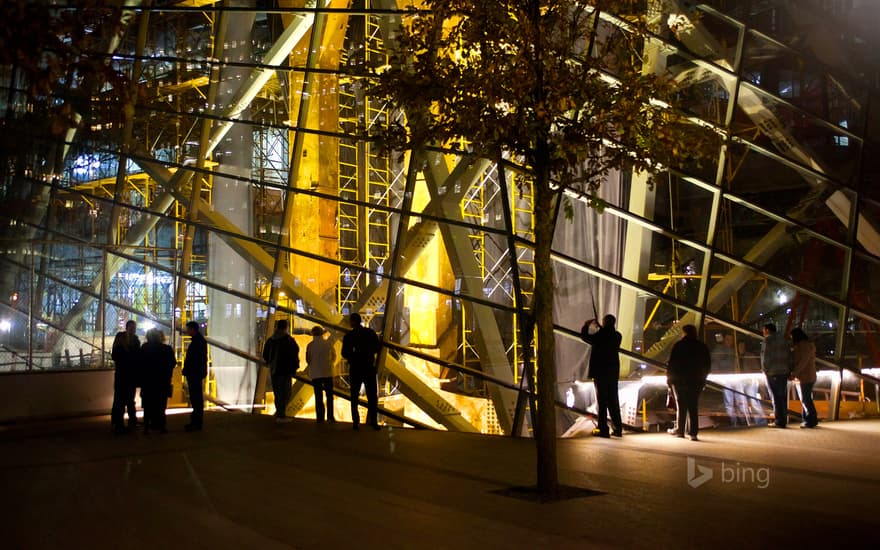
(365, 176)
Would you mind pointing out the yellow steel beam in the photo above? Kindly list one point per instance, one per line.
(195, 3)
(488, 341)
(180, 87)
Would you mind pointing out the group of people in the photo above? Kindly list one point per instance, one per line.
(782, 361)
(360, 346)
(688, 369)
(150, 367)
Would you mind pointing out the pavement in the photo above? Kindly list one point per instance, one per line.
(247, 482)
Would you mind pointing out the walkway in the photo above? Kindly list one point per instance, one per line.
(246, 482)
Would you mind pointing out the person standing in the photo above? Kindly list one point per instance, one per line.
(804, 372)
(125, 354)
(195, 370)
(159, 362)
(281, 353)
(776, 364)
(689, 365)
(320, 359)
(359, 347)
(604, 369)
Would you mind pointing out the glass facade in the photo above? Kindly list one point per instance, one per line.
(240, 184)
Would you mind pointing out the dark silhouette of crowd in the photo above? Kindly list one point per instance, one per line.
(782, 361)
(150, 367)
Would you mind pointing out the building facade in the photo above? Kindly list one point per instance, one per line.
(238, 183)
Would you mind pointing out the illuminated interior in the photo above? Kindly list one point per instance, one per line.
(245, 191)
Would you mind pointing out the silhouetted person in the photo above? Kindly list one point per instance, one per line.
(776, 363)
(359, 347)
(689, 364)
(320, 359)
(125, 354)
(281, 354)
(805, 372)
(158, 364)
(605, 371)
(195, 370)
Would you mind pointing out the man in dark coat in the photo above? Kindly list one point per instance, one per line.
(125, 354)
(605, 371)
(195, 370)
(158, 365)
(359, 347)
(281, 354)
(689, 365)
(776, 364)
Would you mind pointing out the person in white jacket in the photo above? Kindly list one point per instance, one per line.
(321, 359)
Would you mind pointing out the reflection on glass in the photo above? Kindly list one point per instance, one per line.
(252, 189)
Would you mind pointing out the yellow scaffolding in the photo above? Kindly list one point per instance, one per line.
(378, 175)
(348, 218)
(364, 233)
(472, 211)
(523, 200)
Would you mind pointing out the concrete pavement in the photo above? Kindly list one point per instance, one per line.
(246, 482)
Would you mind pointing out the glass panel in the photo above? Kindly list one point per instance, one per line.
(802, 82)
(862, 344)
(786, 191)
(802, 259)
(679, 205)
(469, 395)
(733, 351)
(229, 324)
(339, 244)
(872, 130)
(864, 290)
(868, 236)
(801, 138)
(705, 92)
(720, 33)
(736, 400)
(660, 327)
(757, 301)
(858, 394)
(869, 183)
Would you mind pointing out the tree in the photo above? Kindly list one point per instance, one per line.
(551, 83)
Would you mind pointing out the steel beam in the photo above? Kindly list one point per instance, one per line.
(204, 153)
(163, 201)
(701, 42)
(424, 396)
(299, 394)
(488, 341)
(278, 54)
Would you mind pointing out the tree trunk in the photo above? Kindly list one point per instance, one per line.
(545, 430)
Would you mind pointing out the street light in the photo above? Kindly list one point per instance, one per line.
(5, 326)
